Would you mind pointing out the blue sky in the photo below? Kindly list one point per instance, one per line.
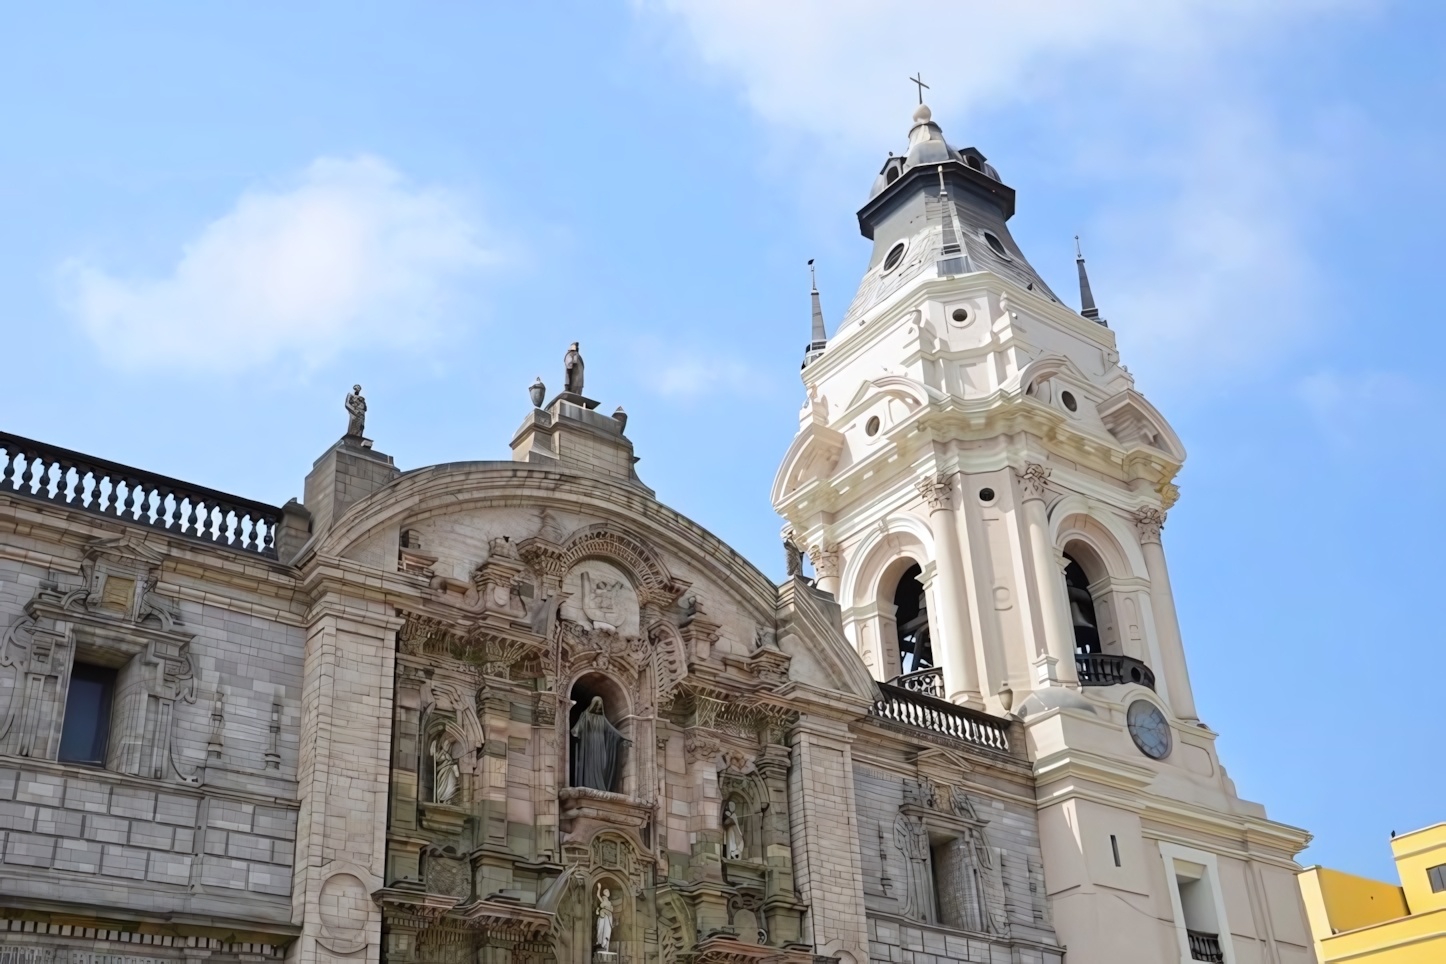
(213, 221)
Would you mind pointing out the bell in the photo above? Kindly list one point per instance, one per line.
(1076, 611)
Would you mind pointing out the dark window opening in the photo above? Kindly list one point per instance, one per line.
(911, 615)
(1081, 609)
(1115, 847)
(1437, 876)
(86, 731)
(895, 255)
(996, 246)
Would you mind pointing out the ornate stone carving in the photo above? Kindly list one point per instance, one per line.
(826, 558)
(921, 793)
(1033, 481)
(911, 836)
(1149, 521)
(935, 491)
(701, 745)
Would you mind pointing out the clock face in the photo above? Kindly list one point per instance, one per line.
(1148, 729)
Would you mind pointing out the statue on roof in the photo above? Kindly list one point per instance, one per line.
(356, 408)
(572, 365)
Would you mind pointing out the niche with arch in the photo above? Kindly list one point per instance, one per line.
(617, 710)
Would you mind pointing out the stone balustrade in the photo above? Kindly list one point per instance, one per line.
(47, 472)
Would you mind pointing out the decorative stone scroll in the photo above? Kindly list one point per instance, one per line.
(935, 491)
(1033, 481)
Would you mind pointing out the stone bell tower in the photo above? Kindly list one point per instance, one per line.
(972, 452)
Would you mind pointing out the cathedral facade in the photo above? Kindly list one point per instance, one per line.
(523, 711)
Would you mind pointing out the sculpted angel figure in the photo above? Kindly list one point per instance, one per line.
(356, 408)
(604, 917)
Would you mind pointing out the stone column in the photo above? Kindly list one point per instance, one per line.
(1162, 603)
(1056, 667)
(953, 644)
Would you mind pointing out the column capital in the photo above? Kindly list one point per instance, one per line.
(935, 490)
(1149, 521)
(826, 560)
(1033, 480)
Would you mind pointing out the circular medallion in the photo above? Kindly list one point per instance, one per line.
(1148, 729)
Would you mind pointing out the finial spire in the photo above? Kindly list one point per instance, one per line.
(1086, 296)
(819, 340)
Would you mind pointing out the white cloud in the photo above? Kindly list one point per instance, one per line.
(837, 66)
(348, 255)
(1197, 197)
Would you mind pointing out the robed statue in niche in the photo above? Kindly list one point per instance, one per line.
(596, 749)
(604, 934)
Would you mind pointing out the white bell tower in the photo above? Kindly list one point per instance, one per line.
(972, 452)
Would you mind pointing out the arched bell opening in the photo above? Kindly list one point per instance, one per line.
(911, 621)
(598, 755)
(1082, 615)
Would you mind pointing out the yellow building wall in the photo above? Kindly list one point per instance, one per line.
(1415, 852)
(1363, 921)
(1418, 939)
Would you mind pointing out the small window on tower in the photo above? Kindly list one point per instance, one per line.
(871, 427)
(895, 255)
(996, 245)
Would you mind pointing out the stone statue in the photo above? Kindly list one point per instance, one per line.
(596, 748)
(793, 555)
(604, 918)
(912, 839)
(733, 843)
(446, 774)
(356, 408)
(572, 365)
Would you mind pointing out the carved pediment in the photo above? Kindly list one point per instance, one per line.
(1134, 422)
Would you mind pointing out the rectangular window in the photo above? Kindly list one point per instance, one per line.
(1115, 846)
(1437, 876)
(86, 730)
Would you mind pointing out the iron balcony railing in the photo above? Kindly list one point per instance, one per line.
(62, 477)
(1205, 947)
(911, 708)
(1104, 669)
(929, 681)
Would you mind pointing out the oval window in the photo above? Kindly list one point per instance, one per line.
(995, 245)
(1069, 401)
(960, 315)
(986, 495)
(871, 427)
(895, 255)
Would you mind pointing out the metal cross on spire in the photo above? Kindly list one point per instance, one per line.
(922, 86)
